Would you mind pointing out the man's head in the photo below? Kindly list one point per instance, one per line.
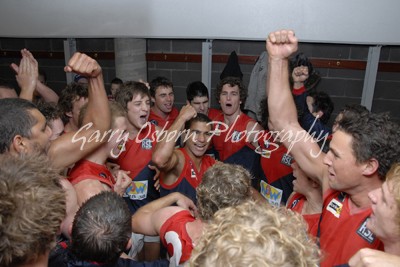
(162, 95)
(72, 98)
(101, 229)
(198, 134)
(134, 97)
(353, 111)
(385, 218)
(53, 117)
(24, 128)
(223, 185)
(197, 96)
(32, 206)
(361, 146)
(254, 234)
(231, 94)
(116, 84)
(6, 90)
(321, 104)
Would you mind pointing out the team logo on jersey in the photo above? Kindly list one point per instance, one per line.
(272, 194)
(103, 175)
(137, 190)
(287, 159)
(146, 144)
(154, 122)
(266, 143)
(236, 136)
(294, 203)
(193, 174)
(365, 233)
(217, 131)
(335, 207)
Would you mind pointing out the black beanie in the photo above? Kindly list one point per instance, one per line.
(232, 68)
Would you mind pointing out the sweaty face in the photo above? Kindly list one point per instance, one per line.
(138, 111)
(199, 139)
(229, 100)
(200, 104)
(344, 171)
(39, 141)
(383, 222)
(163, 100)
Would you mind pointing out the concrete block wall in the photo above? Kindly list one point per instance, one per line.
(344, 85)
(54, 67)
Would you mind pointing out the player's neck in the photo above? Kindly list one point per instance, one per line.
(230, 119)
(359, 199)
(392, 246)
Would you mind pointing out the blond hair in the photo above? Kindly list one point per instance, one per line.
(32, 206)
(255, 234)
(223, 185)
(393, 180)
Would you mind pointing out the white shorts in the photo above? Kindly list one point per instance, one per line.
(138, 242)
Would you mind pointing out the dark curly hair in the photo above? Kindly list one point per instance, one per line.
(232, 81)
(72, 92)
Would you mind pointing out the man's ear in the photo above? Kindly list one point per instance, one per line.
(187, 102)
(370, 167)
(68, 114)
(153, 99)
(19, 144)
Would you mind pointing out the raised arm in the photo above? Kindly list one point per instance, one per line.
(164, 155)
(73, 146)
(148, 219)
(282, 110)
(27, 74)
(46, 92)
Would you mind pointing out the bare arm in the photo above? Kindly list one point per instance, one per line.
(46, 92)
(27, 74)
(73, 146)
(164, 155)
(282, 110)
(370, 257)
(149, 218)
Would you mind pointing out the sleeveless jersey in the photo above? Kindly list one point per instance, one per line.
(277, 172)
(157, 120)
(232, 147)
(189, 178)
(85, 169)
(342, 234)
(296, 203)
(135, 159)
(214, 113)
(175, 238)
